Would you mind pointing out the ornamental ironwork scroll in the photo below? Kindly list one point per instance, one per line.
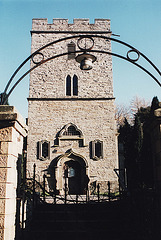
(85, 43)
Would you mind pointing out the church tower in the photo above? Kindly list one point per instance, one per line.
(72, 132)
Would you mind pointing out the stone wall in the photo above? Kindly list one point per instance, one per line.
(92, 111)
(52, 116)
(48, 80)
(12, 131)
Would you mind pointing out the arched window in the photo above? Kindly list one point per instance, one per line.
(75, 85)
(72, 131)
(72, 86)
(68, 85)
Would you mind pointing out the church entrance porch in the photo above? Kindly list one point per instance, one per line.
(68, 172)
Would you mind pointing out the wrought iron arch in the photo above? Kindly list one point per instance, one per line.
(5, 95)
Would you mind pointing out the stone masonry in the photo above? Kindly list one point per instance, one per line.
(90, 113)
(12, 131)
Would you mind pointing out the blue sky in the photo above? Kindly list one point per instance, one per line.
(138, 22)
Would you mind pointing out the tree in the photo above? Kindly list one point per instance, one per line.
(137, 138)
(154, 104)
(137, 103)
(131, 137)
(125, 138)
(121, 113)
(128, 112)
(136, 143)
(144, 114)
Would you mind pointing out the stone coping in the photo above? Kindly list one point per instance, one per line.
(10, 114)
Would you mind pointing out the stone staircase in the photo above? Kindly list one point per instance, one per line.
(111, 220)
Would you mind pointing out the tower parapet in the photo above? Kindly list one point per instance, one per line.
(77, 25)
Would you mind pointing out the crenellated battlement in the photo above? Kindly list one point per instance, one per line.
(79, 24)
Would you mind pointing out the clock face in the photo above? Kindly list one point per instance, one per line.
(85, 43)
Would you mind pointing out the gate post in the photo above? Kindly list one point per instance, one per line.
(12, 131)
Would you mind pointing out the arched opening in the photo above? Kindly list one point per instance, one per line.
(69, 168)
(75, 85)
(72, 175)
(68, 85)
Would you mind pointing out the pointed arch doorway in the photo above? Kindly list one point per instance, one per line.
(72, 169)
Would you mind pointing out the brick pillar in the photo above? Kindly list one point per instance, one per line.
(12, 131)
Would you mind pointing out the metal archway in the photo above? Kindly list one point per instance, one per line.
(5, 95)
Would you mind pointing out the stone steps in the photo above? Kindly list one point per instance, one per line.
(82, 221)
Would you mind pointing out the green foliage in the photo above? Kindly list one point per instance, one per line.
(112, 195)
(154, 104)
(143, 114)
(136, 143)
(137, 138)
(125, 137)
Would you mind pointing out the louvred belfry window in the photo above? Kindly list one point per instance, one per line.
(71, 51)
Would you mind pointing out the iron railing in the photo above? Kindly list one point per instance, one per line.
(142, 204)
(40, 193)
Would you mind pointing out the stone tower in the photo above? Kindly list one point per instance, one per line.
(72, 130)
